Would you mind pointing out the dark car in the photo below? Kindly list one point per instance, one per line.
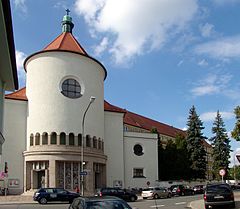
(117, 192)
(106, 202)
(45, 195)
(181, 190)
(198, 189)
(218, 194)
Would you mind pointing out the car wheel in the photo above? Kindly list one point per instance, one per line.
(144, 198)
(156, 196)
(233, 205)
(132, 199)
(43, 200)
(169, 195)
(206, 206)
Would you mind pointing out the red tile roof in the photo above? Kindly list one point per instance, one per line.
(65, 42)
(148, 124)
(130, 118)
(18, 95)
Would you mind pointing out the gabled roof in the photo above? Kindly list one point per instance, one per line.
(111, 108)
(130, 118)
(140, 121)
(65, 42)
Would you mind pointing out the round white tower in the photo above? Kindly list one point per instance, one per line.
(61, 80)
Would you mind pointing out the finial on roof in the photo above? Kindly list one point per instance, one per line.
(67, 24)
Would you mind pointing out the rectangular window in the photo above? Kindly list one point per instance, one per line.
(138, 173)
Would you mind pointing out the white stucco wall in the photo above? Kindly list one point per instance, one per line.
(1, 114)
(15, 136)
(148, 161)
(49, 109)
(113, 147)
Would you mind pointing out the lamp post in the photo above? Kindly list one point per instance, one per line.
(82, 150)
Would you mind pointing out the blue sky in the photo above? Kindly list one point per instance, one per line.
(161, 56)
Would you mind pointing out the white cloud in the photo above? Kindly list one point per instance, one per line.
(223, 48)
(207, 30)
(20, 57)
(21, 5)
(136, 27)
(212, 84)
(101, 47)
(210, 116)
(180, 63)
(203, 63)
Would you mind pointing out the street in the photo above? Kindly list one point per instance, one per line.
(171, 203)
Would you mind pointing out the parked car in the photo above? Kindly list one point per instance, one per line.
(198, 189)
(155, 193)
(218, 194)
(44, 195)
(117, 192)
(106, 202)
(181, 190)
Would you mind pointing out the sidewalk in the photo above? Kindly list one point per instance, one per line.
(199, 204)
(13, 199)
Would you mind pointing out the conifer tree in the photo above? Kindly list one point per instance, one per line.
(195, 147)
(221, 146)
(236, 131)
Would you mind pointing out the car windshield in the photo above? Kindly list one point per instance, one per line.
(106, 205)
(218, 188)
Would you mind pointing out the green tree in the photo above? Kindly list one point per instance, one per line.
(221, 146)
(195, 147)
(234, 172)
(236, 131)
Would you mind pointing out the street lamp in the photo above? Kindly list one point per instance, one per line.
(82, 150)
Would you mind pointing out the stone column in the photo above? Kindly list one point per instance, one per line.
(52, 173)
(89, 180)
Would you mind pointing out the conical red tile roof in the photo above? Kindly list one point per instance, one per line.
(65, 42)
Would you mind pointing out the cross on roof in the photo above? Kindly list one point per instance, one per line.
(67, 10)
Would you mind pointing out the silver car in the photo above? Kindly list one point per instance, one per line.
(155, 193)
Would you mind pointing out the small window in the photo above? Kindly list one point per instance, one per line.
(45, 138)
(79, 139)
(71, 139)
(53, 138)
(62, 139)
(94, 142)
(37, 139)
(138, 150)
(71, 88)
(31, 140)
(88, 141)
(138, 173)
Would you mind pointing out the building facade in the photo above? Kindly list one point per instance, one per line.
(60, 139)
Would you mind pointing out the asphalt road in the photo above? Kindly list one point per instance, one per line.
(171, 203)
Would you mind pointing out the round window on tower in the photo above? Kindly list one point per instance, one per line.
(71, 88)
(138, 150)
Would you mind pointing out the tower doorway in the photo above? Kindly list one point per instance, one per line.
(40, 178)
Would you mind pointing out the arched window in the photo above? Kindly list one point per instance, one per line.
(94, 142)
(99, 143)
(37, 139)
(79, 139)
(31, 140)
(45, 138)
(71, 139)
(53, 138)
(88, 141)
(62, 139)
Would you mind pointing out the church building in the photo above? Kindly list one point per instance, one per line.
(60, 132)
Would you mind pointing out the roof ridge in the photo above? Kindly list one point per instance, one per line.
(75, 40)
